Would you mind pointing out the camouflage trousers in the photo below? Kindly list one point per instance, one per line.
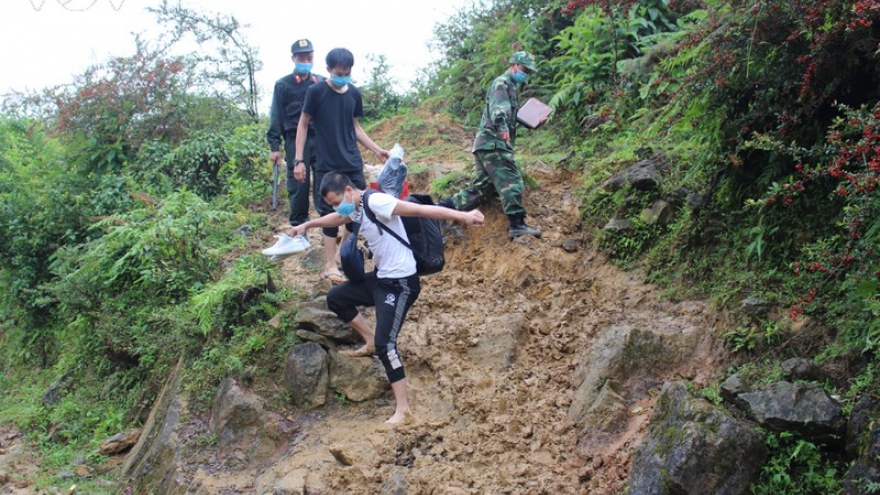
(497, 174)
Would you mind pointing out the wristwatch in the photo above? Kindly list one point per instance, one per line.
(297, 160)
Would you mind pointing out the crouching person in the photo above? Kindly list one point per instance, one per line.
(393, 286)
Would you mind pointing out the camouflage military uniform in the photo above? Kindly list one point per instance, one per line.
(496, 168)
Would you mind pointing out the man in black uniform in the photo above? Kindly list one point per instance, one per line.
(287, 104)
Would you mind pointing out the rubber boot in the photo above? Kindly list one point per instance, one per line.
(518, 227)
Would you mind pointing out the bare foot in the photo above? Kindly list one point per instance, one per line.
(367, 350)
(399, 418)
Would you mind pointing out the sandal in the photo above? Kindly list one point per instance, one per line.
(334, 278)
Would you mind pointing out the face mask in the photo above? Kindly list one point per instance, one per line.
(520, 77)
(340, 81)
(303, 68)
(345, 208)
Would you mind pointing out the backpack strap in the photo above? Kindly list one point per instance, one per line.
(372, 216)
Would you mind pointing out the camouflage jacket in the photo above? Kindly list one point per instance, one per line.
(499, 115)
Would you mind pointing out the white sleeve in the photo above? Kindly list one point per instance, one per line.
(382, 205)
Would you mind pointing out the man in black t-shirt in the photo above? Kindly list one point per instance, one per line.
(333, 108)
(287, 104)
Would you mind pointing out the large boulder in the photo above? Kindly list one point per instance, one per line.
(153, 463)
(804, 408)
(694, 448)
(315, 317)
(624, 351)
(359, 378)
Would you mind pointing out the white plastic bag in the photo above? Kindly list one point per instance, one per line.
(393, 174)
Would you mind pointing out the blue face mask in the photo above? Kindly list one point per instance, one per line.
(520, 77)
(345, 208)
(340, 81)
(303, 68)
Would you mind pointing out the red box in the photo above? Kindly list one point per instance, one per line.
(403, 193)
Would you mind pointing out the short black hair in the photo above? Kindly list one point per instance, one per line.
(340, 57)
(336, 183)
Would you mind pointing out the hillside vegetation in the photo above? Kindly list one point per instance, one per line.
(133, 200)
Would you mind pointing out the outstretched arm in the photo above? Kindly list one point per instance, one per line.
(329, 220)
(408, 209)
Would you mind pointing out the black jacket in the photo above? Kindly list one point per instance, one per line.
(287, 103)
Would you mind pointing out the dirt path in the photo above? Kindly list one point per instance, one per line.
(491, 348)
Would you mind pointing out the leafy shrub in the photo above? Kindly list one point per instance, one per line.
(196, 163)
(841, 268)
(797, 467)
(158, 249)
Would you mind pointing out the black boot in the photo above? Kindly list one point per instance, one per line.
(518, 227)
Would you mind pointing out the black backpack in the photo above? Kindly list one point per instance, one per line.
(425, 239)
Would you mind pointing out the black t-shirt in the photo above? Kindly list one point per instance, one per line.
(333, 116)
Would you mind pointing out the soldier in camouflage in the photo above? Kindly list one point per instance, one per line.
(497, 171)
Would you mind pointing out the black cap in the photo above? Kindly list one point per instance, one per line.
(301, 46)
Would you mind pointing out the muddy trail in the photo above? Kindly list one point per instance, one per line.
(494, 348)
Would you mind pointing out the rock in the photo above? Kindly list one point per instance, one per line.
(119, 443)
(623, 351)
(755, 307)
(732, 387)
(294, 483)
(604, 417)
(153, 461)
(659, 213)
(315, 317)
(307, 375)
(866, 470)
(275, 321)
(341, 456)
(395, 484)
(859, 424)
(863, 444)
(82, 471)
(308, 336)
(235, 413)
(570, 246)
(643, 175)
(785, 406)
(358, 379)
(802, 369)
(617, 225)
(693, 448)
